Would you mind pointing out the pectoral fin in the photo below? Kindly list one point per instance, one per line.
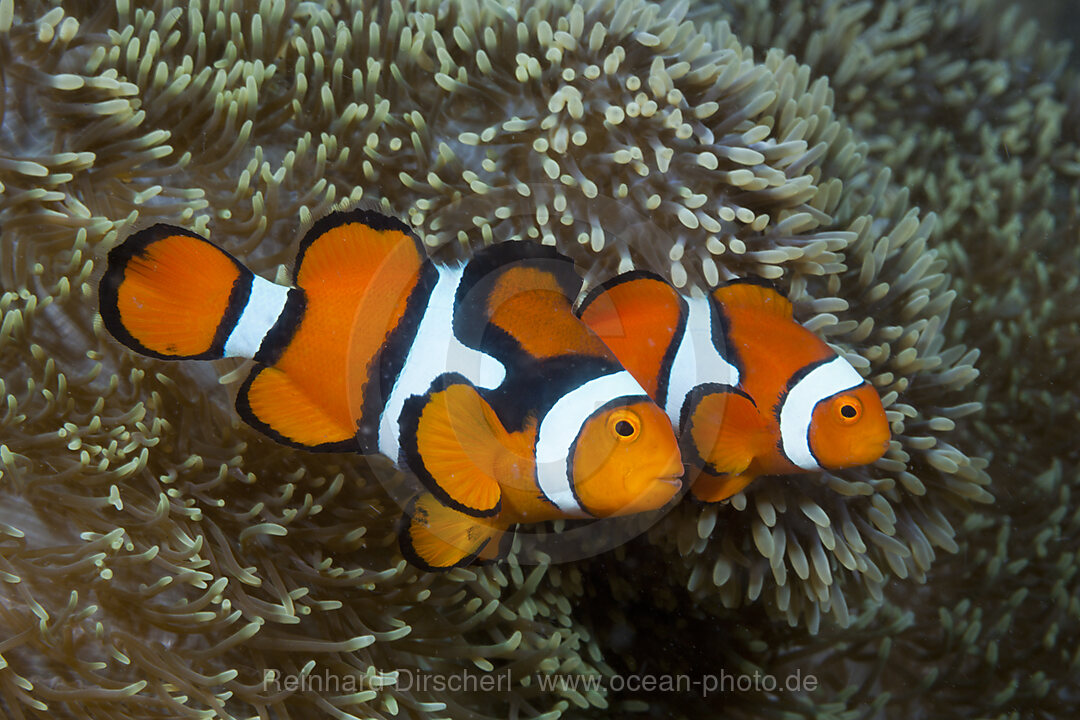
(725, 430)
(454, 441)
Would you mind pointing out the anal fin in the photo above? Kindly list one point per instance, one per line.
(273, 403)
(435, 537)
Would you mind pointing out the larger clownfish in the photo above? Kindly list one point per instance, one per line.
(750, 390)
(476, 376)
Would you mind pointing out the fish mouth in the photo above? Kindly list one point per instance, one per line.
(673, 471)
(668, 485)
(651, 493)
(675, 480)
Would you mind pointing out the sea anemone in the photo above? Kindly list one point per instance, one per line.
(159, 556)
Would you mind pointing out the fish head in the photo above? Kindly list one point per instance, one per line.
(849, 429)
(626, 459)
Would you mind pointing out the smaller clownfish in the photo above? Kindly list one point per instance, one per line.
(750, 390)
(475, 376)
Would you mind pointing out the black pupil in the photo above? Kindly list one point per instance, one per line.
(624, 428)
(848, 411)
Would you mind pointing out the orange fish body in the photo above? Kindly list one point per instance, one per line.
(476, 376)
(750, 391)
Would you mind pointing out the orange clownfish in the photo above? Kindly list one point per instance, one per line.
(750, 391)
(475, 376)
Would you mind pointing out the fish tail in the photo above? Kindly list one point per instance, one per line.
(172, 294)
(435, 537)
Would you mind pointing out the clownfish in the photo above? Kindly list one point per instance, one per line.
(475, 376)
(750, 390)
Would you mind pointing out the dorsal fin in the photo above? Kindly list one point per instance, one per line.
(356, 246)
(486, 261)
(637, 315)
(526, 291)
(755, 294)
(360, 271)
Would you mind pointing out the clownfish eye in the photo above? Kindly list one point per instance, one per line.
(848, 409)
(624, 425)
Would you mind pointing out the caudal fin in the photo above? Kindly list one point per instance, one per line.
(170, 293)
(435, 537)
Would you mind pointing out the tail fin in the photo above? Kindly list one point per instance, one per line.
(434, 537)
(169, 293)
